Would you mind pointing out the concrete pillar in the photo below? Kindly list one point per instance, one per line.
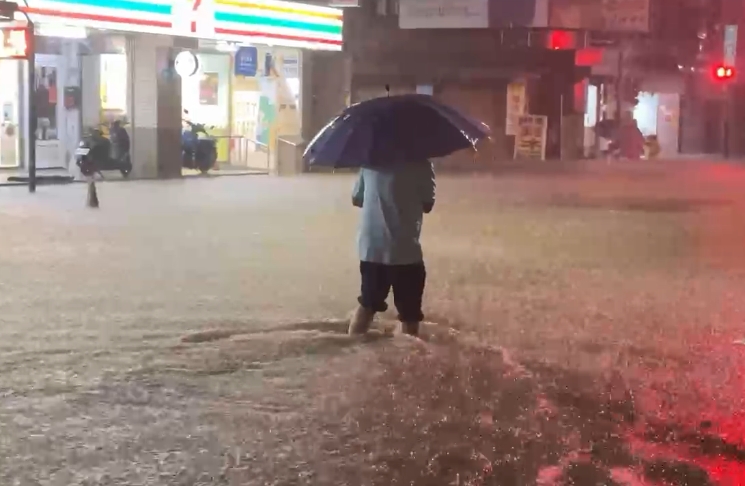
(324, 89)
(155, 106)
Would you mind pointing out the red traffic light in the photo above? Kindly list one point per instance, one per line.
(724, 73)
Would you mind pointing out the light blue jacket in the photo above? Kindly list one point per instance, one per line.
(393, 201)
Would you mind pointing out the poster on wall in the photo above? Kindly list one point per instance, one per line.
(267, 110)
(443, 14)
(208, 86)
(530, 141)
(45, 97)
(516, 104)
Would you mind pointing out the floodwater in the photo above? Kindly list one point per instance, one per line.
(583, 327)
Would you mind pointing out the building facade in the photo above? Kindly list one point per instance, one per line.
(576, 62)
(102, 61)
(464, 62)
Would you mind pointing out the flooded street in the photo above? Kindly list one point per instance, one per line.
(583, 327)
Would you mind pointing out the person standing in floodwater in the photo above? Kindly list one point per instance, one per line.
(393, 201)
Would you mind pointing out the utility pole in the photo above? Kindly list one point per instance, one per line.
(32, 120)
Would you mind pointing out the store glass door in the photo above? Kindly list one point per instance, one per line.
(50, 113)
(9, 117)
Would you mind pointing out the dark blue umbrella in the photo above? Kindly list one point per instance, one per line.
(393, 129)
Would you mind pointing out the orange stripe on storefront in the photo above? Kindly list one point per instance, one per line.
(276, 8)
(249, 33)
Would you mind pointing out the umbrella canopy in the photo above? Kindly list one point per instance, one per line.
(393, 129)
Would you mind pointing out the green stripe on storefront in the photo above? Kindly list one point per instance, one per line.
(127, 5)
(280, 23)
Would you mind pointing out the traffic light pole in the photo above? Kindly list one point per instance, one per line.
(726, 115)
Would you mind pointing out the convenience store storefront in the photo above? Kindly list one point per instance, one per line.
(99, 61)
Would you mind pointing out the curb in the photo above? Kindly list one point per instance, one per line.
(41, 182)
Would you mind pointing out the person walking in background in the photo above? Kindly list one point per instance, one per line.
(393, 201)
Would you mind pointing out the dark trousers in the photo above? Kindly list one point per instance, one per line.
(407, 282)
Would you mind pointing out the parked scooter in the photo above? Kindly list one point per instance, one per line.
(198, 148)
(97, 153)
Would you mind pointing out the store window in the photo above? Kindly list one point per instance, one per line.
(206, 98)
(57, 71)
(10, 122)
(113, 86)
(266, 103)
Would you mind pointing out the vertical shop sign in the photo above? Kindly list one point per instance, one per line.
(530, 141)
(730, 45)
(246, 61)
(516, 104)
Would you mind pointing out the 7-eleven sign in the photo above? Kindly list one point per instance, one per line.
(194, 18)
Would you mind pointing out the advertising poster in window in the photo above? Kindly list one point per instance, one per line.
(208, 86)
(267, 110)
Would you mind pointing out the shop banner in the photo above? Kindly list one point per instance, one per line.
(600, 15)
(530, 142)
(516, 105)
(246, 61)
(443, 14)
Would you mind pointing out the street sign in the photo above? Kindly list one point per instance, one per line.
(730, 45)
(14, 43)
(530, 141)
